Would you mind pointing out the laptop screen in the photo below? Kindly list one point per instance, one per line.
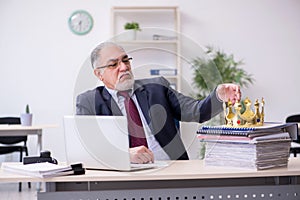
(99, 142)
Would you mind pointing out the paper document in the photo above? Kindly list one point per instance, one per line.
(41, 170)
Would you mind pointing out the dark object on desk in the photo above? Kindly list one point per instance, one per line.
(45, 156)
(76, 169)
(43, 169)
(13, 143)
(294, 118)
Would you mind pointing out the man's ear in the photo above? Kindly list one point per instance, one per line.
(98, 74)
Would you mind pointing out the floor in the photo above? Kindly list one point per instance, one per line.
(10, 191)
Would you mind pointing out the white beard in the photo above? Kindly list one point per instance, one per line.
(126, 84)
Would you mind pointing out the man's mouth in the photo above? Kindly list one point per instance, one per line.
(125, 76)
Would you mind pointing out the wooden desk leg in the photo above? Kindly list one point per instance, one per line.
(39, 149)
(39, 141)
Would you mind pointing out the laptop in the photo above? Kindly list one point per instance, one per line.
(99, 142)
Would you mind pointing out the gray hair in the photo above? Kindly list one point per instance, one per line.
(96, 53)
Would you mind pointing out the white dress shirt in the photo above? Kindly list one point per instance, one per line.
(153, 145)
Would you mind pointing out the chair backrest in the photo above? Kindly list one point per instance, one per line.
(11, 139)
(10, 120)
(294, 118)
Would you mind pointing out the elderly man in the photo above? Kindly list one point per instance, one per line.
(152, 107)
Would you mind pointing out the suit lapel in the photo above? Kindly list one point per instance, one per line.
(142, 97)
(109, 107)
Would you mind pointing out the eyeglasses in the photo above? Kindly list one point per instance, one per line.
(116, 63)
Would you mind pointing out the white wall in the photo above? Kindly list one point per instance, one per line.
(41, 57)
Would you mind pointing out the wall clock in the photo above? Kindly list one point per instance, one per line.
(80, 22)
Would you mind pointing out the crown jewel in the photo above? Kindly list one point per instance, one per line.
(249, 118)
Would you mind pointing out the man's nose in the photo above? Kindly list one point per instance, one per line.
(123, 66)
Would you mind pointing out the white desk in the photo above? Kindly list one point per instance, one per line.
(18, 130)
(182, 180)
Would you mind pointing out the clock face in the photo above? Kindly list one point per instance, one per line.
(80, 22)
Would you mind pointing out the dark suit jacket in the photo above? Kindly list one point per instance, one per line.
(162, 107)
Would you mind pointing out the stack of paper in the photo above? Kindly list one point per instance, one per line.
(257, 149)
(260, 155)
(42, 170)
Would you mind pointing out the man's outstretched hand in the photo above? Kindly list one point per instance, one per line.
(229, 91)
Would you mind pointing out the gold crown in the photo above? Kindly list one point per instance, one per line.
(249, 118)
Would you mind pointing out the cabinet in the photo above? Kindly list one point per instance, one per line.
(156, 48)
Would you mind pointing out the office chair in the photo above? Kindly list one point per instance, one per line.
(12, 144)
(296, 143)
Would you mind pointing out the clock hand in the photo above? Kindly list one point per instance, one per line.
(80, 24)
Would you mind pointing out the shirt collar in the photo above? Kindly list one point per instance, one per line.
(114, 93)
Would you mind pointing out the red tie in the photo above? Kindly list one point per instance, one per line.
(135, 126)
